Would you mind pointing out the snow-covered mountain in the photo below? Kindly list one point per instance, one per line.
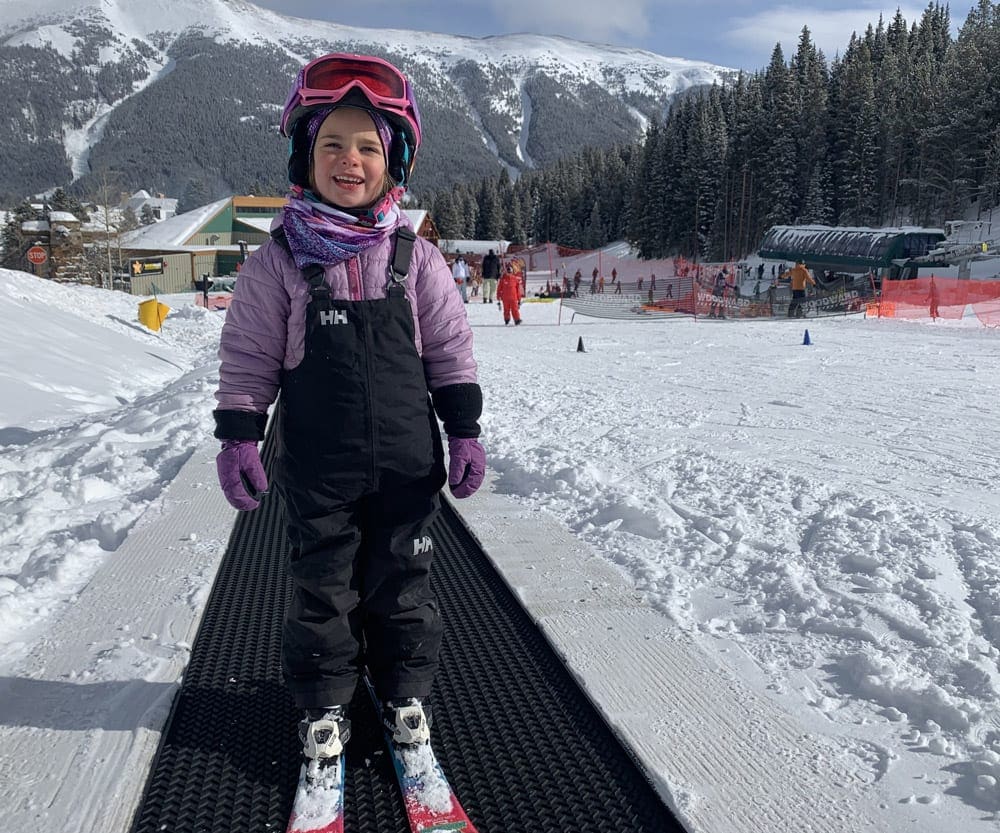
(183, 95)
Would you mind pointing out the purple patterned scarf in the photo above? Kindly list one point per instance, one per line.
(320, 233)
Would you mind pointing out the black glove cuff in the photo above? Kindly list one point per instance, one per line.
(459, 407)
(239, 425)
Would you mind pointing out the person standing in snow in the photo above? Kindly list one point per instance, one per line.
(356, 322)
(715, 309)
(460, 272)
(933, 298)
(509, 293)
(800, 278)
(491, 273)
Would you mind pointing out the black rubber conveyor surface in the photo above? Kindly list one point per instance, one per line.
(523, 747)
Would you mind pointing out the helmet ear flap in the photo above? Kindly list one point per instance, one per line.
(400, 158)
(298, 153)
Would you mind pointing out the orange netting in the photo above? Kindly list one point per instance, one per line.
(679, 285)
(934, 297)
(664, 285)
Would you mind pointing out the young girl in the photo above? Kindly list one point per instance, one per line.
(360, 337)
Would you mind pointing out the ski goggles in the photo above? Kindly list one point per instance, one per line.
(327, 79)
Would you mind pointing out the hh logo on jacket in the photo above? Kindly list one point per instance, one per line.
(422, 545)
(336, 316)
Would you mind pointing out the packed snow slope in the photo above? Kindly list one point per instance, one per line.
(815, 526)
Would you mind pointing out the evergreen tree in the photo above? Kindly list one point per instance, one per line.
(970, 110)
(817, 208)
(146, 215)
(470, 214)
(676, 228)
(128, 221)
(707, 158)
(61, 201)
(991, 178)
(648, 208)
(524, 194)
(14, 241)
(446, 216)
(489, 223)
(780, 181)
(855, 135)
(754, 161)
(812, 82)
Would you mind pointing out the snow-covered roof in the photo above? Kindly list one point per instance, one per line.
(63, 217)
(176, 230)
(136, 203)
(167, 250)
(99, 228)
(261, 223)
(415, 216)
(476, 247)
(35, 225)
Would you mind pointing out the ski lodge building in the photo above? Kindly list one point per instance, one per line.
(212, 240)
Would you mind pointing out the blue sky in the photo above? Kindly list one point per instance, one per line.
(736, 33)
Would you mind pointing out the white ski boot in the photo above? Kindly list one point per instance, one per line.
(407, 721)
(323, 733)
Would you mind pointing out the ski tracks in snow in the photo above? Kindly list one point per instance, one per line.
(805, 534)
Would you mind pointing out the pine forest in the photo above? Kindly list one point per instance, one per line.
(902, 129)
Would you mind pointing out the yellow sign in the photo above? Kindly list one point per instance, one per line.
(152, 313)
(146, 266)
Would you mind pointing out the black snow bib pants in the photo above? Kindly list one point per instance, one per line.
(360, 466)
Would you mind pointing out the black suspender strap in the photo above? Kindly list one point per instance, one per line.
(405, 238)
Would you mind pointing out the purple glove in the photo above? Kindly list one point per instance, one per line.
(467, 466)
(241, 474)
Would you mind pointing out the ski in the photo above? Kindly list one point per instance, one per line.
(319, 798)
(430, 802)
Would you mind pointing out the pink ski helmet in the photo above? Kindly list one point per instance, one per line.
(360, 80)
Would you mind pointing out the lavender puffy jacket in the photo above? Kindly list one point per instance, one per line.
(265, 324)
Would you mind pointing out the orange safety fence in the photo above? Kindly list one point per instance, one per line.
(934, 297)
(679, 285)
(601, 273)
(215, 302)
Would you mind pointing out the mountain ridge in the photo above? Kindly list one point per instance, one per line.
(505, 102)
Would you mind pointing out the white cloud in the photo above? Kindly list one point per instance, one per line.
(590, 20)
(829, 29)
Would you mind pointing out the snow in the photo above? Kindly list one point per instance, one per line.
(773, 566)
(176, 230)
(315, 795)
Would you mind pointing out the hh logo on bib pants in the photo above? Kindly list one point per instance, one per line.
(422, 545)
(334, 316)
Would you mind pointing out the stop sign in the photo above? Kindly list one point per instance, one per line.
(37, 255)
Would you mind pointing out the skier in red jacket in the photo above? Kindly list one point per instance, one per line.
(510, 292)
